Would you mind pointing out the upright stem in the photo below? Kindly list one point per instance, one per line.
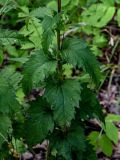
(58, 30)
(59, 65)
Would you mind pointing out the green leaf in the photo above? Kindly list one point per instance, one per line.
(40, 12)
(107, 17)
(106, 145)
(67, 70)
(47, 24)
(11, 76)
(37, 68)
(65, 2)
(76, 52)
(9, 37)
(68, 143)
(1, 56)
(108, 2)
(101, 142)
(5, 125)
(99, 40)
(91, 154)
(93, 137)
(9, 82)
(52, 5)
(89, 103)
(112, 118)
(39, 122)
(20, 59)
(8, 101)
(98, 15)
(18, 145)
(76, 138)
(20, 95)
(33, 30)
(111, 131)
(22, 2)
(24, 12)
(8, 5)
(64, 97)
(118, 17)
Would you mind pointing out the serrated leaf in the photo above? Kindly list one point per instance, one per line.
(48, 33)
(7, 6)
(40, 12)
(76, 52)
(11, 76)
(9, 37)
(33, 30)
(64, 97)
(5, 125)
(88, 103)
(67, 143)
(20, 59)
(36, 36)
(91, 154)
(36, 69)
(39, 122)
(76, 138)
(8, 101)
(9, 81)
(49, 25)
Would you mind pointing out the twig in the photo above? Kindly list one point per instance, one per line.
(110, 82)
(114, 48)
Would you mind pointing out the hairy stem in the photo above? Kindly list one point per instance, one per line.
(59, 43)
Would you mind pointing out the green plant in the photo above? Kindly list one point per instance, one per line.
(107, 137)
(64, 101)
